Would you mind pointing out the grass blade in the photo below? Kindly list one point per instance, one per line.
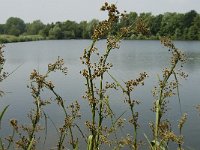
(57, 130)
(79, 129)
(2, 114)
(14, 70)
(118, 84)
(178, 94)
(148, 141)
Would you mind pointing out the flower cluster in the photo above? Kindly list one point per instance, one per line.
(105, 26)
(134, 83)
(182, 121)
(58, 65)
(177, 55)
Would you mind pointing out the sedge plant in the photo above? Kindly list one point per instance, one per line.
(168, 86)
(95, 71)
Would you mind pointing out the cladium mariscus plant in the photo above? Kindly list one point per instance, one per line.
(168, 85)
(96, 67)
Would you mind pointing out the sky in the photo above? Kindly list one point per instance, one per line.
(78, 10)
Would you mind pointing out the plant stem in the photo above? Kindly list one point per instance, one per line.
(65, 111)
(160, 100)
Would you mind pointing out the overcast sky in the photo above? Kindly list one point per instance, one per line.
(77, 10)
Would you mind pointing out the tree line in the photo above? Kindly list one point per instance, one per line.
(179, 26)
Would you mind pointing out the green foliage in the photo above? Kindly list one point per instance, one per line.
(34, 28)
(55, 33)
(90, 27)
(83, 27)
(193, 33)
(177, 34)
(15, 26)
(21, 38)
(70, 30)
(178, 26)
(2, 28)
(156, 24)
(189, 18)
(170, 22)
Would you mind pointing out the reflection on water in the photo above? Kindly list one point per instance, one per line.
(133, 57)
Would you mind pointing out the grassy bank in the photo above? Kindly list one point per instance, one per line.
(21, 38)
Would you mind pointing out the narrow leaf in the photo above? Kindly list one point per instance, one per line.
(178, 94)
(118, 84)
(2, 114)
(148, 141)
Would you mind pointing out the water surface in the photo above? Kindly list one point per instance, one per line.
(132, 58)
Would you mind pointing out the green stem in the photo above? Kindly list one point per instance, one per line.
(91, 93)
(100, 109)
(65, 111)
(133, 116)
(37, 118)
(160, 101)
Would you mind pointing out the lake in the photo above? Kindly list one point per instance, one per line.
(132, 58)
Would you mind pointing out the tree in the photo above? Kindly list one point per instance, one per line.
(129, 20)
(155, 24)
(55, 33)
(193, 33)
(34, 27)
(45, 31)
(178, 34)
(194, 29)
(15, 26)
(70, 29)
(170, 22)
(83, 26)
(69, 34)
(185, 34)
(188, 18)
(2, 28)
(90, 26)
